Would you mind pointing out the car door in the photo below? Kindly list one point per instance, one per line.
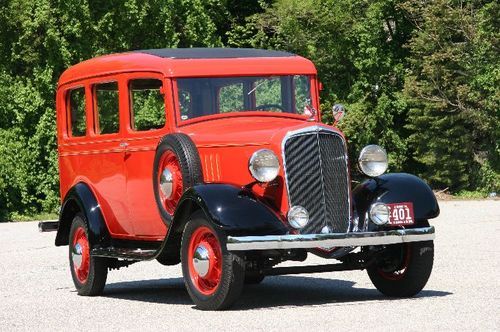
(102, 161)
(146, 124)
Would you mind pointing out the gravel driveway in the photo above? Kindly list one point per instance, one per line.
(463, 293)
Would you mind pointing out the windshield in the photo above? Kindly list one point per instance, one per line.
(208, 96)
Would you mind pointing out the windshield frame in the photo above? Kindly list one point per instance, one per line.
(313, 87)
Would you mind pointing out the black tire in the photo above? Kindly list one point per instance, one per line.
(189, 161)
(232, 275)
(415, 262)
(98, 267)
(253, 278)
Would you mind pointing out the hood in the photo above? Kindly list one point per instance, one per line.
(244, 130)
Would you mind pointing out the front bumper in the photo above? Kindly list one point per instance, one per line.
(238, 243)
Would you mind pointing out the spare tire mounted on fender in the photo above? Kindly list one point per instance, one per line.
(176, 168)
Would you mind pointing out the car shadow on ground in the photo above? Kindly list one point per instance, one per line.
(272, 292)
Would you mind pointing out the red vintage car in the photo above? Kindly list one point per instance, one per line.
(217, 159)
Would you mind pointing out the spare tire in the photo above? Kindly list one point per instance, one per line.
(176, 168)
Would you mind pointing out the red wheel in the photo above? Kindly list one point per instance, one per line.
(205, 260)
(80, 254)
(399, 272)
(213, 277)
(89, 273)
(170, 185)
(403, 269)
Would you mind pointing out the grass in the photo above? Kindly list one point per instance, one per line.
(34, 217)
(465, 194)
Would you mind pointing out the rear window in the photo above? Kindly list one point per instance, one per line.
(76, 112)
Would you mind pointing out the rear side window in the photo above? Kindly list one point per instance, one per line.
(76, 110)
(107, 107)
(147, 106)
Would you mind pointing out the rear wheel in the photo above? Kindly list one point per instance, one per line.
(213, 276)
(404, 269)
(89, 273)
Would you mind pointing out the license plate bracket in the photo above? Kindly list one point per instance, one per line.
(401, 214)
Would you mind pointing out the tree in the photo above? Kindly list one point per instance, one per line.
(452, 87)
(358, 50)
(38, 40)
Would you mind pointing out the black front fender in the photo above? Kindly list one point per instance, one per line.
(232, 209)
(396, 188)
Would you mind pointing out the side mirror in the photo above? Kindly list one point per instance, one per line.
(338, 112)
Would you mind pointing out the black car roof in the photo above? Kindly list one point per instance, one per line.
(214, 53)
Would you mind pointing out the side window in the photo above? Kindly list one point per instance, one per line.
(185, 103)
(268, 92)
(147, 106)
(231, 98)
(302, 93)
(106, 101)
(76, 112)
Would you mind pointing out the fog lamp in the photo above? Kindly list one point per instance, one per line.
(298, 217)
(379, 214)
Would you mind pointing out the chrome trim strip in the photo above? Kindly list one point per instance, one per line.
(237, 243)
(316, 129)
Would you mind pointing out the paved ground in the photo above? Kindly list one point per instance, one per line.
(36, 291)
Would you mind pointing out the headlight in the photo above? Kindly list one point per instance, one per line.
(298, 217)
(379, 214)
(264, 165)
(373, 160)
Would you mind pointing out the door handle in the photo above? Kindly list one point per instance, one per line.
(123, 144)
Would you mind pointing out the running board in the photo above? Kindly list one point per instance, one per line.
(312, 269)
(48, 226)
(133, 254)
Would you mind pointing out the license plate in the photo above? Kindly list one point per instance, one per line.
(401, 214)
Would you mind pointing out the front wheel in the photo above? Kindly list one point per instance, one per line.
(213, 277)
(89, 273)
(404, 269)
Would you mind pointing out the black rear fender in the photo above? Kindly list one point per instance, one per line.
(81, 199)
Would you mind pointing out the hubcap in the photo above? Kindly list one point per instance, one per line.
(201, 261)
(166, 183)
(77, 255)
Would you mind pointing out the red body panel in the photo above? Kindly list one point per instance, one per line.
(118, 167)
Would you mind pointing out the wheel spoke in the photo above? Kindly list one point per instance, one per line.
(208, 283)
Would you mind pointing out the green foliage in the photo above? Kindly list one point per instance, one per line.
(38, 40)
(358, 50)
(420, 78)
(453, 92)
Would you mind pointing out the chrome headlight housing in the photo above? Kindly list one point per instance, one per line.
(379, 214)
(373, 160)
(264, 165)
(298, 217)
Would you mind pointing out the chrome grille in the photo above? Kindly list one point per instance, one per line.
(317, 179)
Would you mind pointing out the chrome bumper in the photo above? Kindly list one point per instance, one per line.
(236, 243)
